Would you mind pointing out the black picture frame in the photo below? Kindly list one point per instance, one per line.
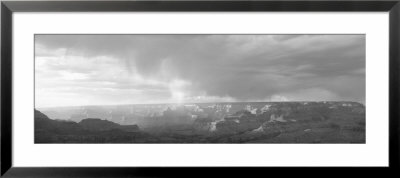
(8, 7)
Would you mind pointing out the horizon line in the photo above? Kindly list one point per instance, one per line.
(201, 103)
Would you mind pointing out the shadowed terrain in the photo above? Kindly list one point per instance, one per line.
(254, 122)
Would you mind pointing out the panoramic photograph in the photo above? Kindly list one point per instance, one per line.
(199, 88)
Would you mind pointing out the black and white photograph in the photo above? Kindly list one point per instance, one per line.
(200, 88)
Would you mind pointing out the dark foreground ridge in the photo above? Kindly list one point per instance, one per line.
(272, 122)
(86, 131)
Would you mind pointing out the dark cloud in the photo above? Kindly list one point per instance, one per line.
(240, 67)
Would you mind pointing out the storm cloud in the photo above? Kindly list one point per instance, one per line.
(128, 69)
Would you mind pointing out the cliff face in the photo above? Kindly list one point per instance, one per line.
(335, 118)
(269, 122)
(240, 122)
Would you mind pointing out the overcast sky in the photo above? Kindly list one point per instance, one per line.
(74, 70)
